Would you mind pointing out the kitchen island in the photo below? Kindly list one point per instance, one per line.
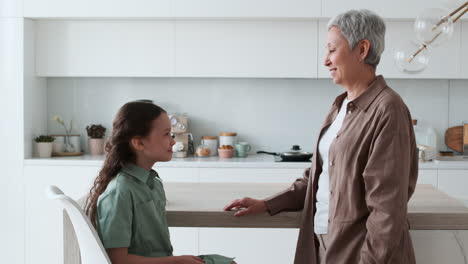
(439, 223)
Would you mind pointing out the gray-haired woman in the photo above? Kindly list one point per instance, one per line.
(354, 197)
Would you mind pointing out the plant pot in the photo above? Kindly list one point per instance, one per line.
(96, 146)
(44, 149)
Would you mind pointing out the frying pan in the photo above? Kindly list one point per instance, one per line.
(294, 155)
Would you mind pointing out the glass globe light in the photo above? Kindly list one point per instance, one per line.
(433, 26)
(406, 59)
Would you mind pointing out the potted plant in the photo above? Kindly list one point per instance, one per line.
(44, 146)
(96, 139)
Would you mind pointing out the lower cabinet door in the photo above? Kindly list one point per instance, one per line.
(427, 177)
(184, 240)
(245, 175)
(250, 245)
(454, 183)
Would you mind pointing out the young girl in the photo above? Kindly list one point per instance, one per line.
(127, 202)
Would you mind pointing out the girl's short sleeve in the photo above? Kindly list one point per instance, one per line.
(115, 215)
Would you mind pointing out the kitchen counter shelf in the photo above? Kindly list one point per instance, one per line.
(252, 161)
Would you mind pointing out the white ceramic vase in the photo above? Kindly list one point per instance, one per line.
(96, 146)
(44, 149)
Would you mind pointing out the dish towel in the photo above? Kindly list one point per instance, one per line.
(216, 259)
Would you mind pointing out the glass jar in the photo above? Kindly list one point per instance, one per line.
(203, 151)
(211, 142)
(419, 133)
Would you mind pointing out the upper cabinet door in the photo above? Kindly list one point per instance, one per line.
(388, 9)
(11, 8)
(105, 48)
(444, 61)
(98, 9)
(247, 8)
(276, 49)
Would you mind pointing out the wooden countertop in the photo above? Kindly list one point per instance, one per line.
(201, 205)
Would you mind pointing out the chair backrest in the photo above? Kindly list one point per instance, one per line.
(91, 249)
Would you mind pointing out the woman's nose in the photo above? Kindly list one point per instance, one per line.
(326, 62)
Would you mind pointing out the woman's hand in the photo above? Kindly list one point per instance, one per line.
(188, 259)
(247, 206)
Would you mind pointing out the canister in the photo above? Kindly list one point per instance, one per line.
(227, 138)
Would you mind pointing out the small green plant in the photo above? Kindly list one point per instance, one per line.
(96, 131)
(44, 138)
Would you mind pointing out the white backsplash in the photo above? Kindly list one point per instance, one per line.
(271, 114)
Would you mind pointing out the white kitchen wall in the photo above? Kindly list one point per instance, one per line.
(35, 95)
(458, 109)
(271, 114)
(11, 131)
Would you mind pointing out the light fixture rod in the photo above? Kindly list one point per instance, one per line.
(463, 7)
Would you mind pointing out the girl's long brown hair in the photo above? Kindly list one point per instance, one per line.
(133, 119)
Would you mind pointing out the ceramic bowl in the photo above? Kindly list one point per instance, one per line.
(225, 153)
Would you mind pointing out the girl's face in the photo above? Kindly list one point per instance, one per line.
(157, 146)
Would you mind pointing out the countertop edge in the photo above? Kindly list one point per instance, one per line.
(252, 161)
(218, 219)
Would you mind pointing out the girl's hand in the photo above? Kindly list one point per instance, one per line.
(247, 206)
(187, 259)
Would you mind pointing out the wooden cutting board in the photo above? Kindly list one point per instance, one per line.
(454, 138)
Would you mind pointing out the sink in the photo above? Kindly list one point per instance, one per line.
(454, 159)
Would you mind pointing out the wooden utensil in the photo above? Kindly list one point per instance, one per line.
(454, 138)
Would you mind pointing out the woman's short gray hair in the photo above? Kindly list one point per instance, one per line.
(357, 25)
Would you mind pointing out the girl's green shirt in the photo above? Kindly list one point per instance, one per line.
(132, 214)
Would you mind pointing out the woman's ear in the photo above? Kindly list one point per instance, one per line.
(364, 48)
(137, 143)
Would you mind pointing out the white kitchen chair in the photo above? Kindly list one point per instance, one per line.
(91, 249)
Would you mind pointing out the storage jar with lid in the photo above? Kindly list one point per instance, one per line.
(227, 138)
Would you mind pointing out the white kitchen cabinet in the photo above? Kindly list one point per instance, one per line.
(178, 174)
(269, 175)
(439, 246)
(445, 61)
(250, 245)
(427, 177)
(388, 9)
(454, 183)
(247, 8)
(464, 51)
(97, 9)
(105, 48)
(273, 49)
(184, 240)
(11, 8)
(44, 232)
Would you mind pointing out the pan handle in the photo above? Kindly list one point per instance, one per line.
(265, 152)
